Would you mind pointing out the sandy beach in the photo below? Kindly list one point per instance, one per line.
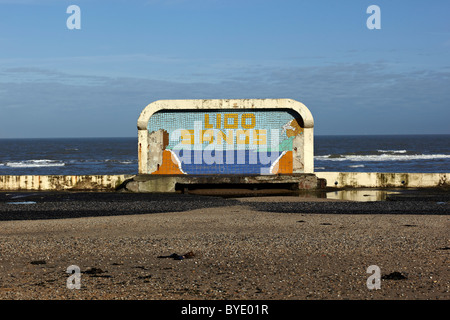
(265, 248)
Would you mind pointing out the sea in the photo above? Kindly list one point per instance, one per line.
(101, 156)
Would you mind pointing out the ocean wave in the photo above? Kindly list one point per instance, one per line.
(393, 151)
(35, 164)
(357, 166)
(101, 161)
(119, 161)
(382, 157)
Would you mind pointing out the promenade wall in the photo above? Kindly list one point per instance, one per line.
(113, 182)
(62, 183)
(384, 180)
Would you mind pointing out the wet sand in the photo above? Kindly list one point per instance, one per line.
(265, 248)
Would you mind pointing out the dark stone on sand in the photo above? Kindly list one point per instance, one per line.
(94, 271)
(394, 276)
(175, 256)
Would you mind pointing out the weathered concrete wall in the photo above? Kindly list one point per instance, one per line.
(384, 180)
(168, 183)
(303, 149)
(146, 183)
(61, 183)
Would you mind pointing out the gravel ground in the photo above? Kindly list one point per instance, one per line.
(265, 248)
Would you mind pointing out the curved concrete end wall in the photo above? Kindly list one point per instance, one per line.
(307, 152)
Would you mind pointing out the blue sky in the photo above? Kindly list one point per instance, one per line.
(94, 82)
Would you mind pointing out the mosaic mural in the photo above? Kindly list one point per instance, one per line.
(226, 141)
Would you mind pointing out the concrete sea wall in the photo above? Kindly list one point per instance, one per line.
(166, 184)
(384, 180)
(62, 183)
